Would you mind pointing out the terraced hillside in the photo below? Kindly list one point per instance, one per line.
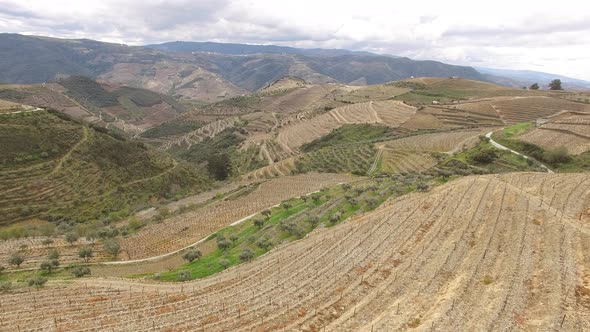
(124, 108)
(390, 113)
(515, 110)
(418, 153)
(481, 253)
(56, 168)
(570, 130)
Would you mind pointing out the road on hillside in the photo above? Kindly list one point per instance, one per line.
(502, 147)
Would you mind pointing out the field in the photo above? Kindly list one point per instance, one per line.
(421, 152)
(390, 113)
(180, 231)
(481, 253)
(570, 130)
(525, 109)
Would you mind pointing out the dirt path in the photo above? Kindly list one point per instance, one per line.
(69, 153)
(502, 147)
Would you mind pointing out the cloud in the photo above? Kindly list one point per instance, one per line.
(526, 34)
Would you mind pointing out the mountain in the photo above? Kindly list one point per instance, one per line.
(33, 59)
(520, 78)
(247, 49)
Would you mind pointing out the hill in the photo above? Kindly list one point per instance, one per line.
(520, 78)
(481, 253)
(120, 107)
(57, 169)
(33, 59)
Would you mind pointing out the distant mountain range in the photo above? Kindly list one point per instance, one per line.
(206, 71)
(520, 78)
(210, 72)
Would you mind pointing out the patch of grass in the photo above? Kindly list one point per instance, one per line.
(487, 280)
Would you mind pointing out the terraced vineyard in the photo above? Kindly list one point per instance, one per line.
(390, 113)
(416, 153)
(198, 135)
(353, 158)
(481, 253)
(180, 231)
(524, 109)
(281, 168)
(400, 161)
(571, 130)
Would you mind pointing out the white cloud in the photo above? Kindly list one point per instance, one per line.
(536, 35)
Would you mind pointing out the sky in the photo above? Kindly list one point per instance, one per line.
(548, 36)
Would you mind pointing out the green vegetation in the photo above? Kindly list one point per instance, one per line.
(171, 128)
(557, 159)
(292, 220)
(81, 178)
(352, 133)
(485, 159)
(353, 158)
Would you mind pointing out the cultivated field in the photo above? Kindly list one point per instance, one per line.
(571, 130)
(390, 113)
(438, 142)
(480, 253)
(185, 229)
(524, 109)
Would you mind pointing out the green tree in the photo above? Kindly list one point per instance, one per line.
(219, 166)
(80, 271)
(112, 247)
(191, 255)
(38, 282)
(534, 86)
(246, 255)
(47, 266)
(222, 242)
(85, 253)
(71, 237)
(16, 259)
(184, 275)
(259, 222)
(555, 85)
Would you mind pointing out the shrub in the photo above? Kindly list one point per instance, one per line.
(334, 218)
(264, 243)
(225, 263)
(16, 259)
(80, 271)
(266, 213)
(184, 275)
(112, 247)
(557, 155)
(47, 266)
(246, 255)
(222, 242)
(85, 253)
(313, 220)
(421, 186)
(38, 282)
(259, 222)
(487, 280)
(484, 156)
(286, 205)
(191, 255)
(71, 238)
(5, 286)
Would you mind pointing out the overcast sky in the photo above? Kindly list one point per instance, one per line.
(551, 36)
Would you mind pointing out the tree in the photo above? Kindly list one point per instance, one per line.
(16, 259)
(246, 255)
(85, 252)
(225, 263)
(47, 266)
(219, 166)
(313, 220)
(191, 255)
(421, 186)
(38, 282)
(259, 222)
(534, 86)
(286, 205)
(315, 198)
(80, 271)
(112, 247)
(304, 198)
(184, 275)
(222, 242)
(71, 238)
(555, 85)
(266, 213)
(53, 254)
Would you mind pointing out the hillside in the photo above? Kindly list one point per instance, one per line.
(124, 108)
(481, 253)
(33, 59)
(57, 169)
